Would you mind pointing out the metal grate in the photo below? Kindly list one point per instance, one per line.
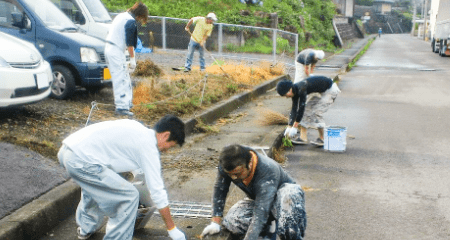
(190, 210)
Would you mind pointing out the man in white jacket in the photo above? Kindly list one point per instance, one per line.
(123, 36)
(95, 155)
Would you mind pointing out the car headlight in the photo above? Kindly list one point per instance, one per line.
(4, 63)
(89, 55)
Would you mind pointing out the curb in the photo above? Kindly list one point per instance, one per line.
(42, 214)
(277, 143)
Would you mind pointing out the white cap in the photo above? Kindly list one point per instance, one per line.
(320, 54)
(212, 16)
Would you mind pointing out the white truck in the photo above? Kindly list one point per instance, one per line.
(441, 31)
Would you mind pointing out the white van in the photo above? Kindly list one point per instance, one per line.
(90, 15)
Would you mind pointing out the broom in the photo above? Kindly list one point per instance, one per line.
(269, 117)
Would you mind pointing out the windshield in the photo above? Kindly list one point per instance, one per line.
(51, 16)
(97, 10)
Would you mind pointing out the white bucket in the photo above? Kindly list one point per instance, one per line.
(335, 138)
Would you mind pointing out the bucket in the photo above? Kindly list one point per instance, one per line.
(335, 138)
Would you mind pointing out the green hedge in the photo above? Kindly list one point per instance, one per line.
(317, 15)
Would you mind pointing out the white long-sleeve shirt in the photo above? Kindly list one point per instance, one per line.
(122, 145)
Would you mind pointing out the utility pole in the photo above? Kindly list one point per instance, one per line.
(413, 19)
(425, 20)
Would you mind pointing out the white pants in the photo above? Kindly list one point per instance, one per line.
(317, 105)
(123, 92)
(103, 193)
(299, 72)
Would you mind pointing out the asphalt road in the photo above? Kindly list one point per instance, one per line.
(390, 183)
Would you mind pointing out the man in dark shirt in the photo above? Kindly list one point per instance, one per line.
(308, 114)
(268, 188)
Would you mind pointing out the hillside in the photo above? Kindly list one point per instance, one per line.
(311, 19)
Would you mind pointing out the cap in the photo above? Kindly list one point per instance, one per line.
(284, 86)
(320, 54)
(212, 16)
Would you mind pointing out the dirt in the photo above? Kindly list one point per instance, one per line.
(42, 126)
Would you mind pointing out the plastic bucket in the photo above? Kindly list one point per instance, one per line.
(335, 138)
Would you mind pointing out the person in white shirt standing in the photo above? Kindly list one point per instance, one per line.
(95, 155)
(123, 36)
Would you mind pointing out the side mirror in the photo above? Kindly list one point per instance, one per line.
(79, 18)
(18, 20)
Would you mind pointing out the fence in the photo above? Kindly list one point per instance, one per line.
(227, 41)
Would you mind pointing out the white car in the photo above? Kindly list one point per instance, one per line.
(25, 77)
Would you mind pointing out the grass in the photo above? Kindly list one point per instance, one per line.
(358, 56)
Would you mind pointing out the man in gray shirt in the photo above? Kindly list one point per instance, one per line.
(268, 187)
(305, 62)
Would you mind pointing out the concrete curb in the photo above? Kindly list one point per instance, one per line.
(277, 143)
(42, 214)
(231, 104)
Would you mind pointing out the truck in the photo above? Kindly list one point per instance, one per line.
(441, 32)
(76, 59)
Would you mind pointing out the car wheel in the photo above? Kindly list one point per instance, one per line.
(63, 82)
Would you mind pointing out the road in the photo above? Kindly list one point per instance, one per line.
(390, 183)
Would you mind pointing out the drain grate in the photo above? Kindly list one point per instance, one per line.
(190, 210)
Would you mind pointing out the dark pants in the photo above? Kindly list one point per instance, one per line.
(288, 214)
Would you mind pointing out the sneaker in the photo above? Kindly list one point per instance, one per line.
(124, 112)
(298, 141)
(81, 236)
(318, 142)
(187, 70)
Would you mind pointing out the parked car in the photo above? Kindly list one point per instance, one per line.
(91, 16)
(76, 58)
(25, 77)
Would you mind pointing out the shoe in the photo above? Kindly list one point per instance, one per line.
(81, 236)
(124, 112)
(318, 142)
(298, 141)
(187, 70)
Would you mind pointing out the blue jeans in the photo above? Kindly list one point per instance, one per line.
(191, 48)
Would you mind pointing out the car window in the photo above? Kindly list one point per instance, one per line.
(11, 14)
(98, 11)
(71, 9)
(50, 15)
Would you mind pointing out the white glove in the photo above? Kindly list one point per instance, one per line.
(211, 229)
(292, 132)
(286, 132)
(176, 234)
(132, 64)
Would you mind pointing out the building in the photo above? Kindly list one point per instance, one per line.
(382, 6)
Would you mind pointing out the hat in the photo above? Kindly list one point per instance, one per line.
(212, 16)
(284, 86)
(320, 54)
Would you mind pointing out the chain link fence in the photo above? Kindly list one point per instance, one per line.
(227, 41)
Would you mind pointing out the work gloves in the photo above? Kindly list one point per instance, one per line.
(176, 234)
(132, 64)
(290, 132)
(211, 229)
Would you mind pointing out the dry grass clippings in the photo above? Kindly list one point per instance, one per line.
(269, 117)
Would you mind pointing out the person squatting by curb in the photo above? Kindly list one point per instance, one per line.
(203, 29)
(305, 62)
(95, 155)
(268, 187)
(308, 114)
(123, 36)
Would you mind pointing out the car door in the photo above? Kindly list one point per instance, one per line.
(15, 21)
